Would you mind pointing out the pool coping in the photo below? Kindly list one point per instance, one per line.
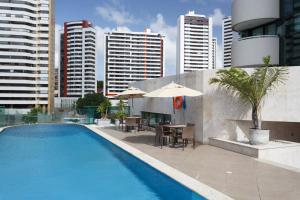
(187, 181)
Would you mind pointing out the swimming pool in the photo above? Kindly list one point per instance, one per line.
(72, 162)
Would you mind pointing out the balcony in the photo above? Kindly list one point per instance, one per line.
(248, 52)
(247, 14)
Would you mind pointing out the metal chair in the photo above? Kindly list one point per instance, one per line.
(160, 135)
(188, 133)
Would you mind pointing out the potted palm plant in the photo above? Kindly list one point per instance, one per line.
(121, 113)
(103, 110)
(252, 89)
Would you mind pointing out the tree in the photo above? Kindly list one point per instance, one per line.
(92, 99)
(103, 107)
(89, 100)
(252, 88)
(32, 116)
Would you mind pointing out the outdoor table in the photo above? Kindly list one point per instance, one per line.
(174, 127)
(138, 120)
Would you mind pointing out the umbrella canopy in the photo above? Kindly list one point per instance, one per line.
(173, 90)
(132, 92)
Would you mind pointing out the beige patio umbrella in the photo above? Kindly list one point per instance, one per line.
(173, 90)
(132, 93)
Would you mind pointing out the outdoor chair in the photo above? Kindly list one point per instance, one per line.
(130, 123)
(190, 124)
(121, 123)
(160, 136)
(188, 133)
(139, 122)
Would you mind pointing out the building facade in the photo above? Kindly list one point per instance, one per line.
(56, 83)
(269, 27)
(227, 37)
(130, 57)
(214, 52)
(78, 59)
(26, 55)
(194, 43)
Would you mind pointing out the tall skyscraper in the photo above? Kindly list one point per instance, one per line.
(214, 52)
(130, 57)
(268, 27)
(27, 55)
(227, 37)
(194, 43)
(78, 66)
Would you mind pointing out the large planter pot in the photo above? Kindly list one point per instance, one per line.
(103, 122)
(258, 136)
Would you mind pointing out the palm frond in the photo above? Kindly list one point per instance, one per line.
(252, 88)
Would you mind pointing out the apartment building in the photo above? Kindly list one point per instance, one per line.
(130, 57)
(78, 59)
(194, 43)
(269, 27)
(214, 52)
(227, 37)
(26, 55)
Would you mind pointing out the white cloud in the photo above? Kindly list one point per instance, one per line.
(170, 33)
(58, 29)
(115, 13)
(205, 2)
(217, 17)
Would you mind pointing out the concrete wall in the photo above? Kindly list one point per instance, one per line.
(218, 114)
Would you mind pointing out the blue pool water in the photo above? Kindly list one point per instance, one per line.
(71, 162)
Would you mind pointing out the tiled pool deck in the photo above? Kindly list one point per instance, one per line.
(236, 175)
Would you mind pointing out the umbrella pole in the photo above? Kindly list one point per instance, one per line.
(132, 106)
(173, 106)
(173, 109)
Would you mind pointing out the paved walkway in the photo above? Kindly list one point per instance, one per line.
(236, 175)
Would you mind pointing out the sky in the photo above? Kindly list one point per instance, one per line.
(136, 15)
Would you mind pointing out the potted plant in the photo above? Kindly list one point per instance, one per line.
(252, 88)
(121, 113)
(103, 110)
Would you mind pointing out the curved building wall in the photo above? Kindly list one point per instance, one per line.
(249, 52)
(247, 14)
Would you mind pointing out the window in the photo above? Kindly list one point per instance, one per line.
(271, 29)
(258, 31)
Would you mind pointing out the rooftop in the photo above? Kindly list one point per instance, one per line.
(236, 175)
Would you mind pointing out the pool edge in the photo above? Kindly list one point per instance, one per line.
(189, 182)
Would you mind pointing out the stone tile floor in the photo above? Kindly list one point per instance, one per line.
(236, 175)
